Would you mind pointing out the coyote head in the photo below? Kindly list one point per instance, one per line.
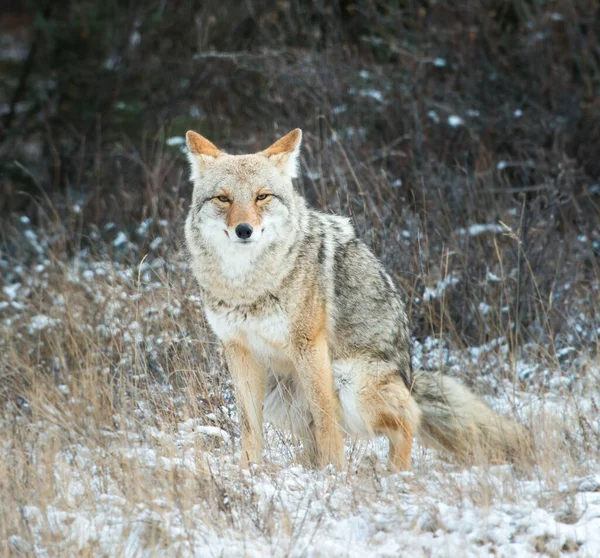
(241, 203)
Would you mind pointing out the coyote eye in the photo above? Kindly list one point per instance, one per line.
(261, 197)
(223, 199)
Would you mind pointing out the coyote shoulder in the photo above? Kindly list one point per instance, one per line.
(315, 333)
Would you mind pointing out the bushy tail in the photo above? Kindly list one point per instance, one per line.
(457, 419)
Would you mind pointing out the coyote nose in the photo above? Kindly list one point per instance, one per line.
(243, 231)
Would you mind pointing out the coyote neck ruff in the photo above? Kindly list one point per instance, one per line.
(315, 334)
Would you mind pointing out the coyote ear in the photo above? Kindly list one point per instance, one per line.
(284, 153)
(201, 153)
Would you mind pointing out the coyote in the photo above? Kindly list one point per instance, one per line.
(315, 334)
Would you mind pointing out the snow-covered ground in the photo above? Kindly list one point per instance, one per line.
(186, 500)
(118, 436)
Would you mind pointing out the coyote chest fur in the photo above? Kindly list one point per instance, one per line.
(315, 334)
(267, 335)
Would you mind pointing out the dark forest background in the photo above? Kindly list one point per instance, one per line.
(421, 119)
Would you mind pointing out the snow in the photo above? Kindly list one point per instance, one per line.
(40, 322)
(156, 243)
(11, 290)
(368, 92)
(373, 94)
(476, 230)
(191, 428)
(455, 121)
(432, 115)
(120, 239)
(175, 141)
(321, 513)
(437, 291)
(485, 308)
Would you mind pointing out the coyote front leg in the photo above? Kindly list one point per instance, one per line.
(249, 382)
(316, 377)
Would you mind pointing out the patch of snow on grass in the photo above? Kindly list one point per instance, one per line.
(120, 239)
(437, 291)
(475, 230)
(455, 121)
(40, 322)
(11, 290)
(373, 94)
